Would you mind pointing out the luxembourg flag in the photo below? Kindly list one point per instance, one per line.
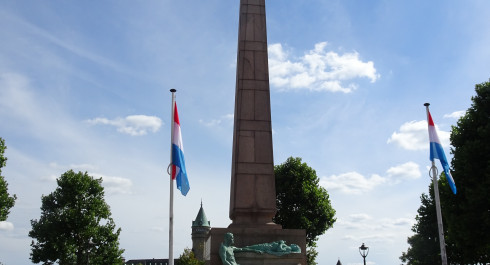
(178, 163)
(436, 152)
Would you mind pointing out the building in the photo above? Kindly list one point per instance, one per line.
(201, 228)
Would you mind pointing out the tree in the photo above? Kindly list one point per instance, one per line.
(302, 203)
(188, 258)
(75, 225)
(468, 212)
(6, 201)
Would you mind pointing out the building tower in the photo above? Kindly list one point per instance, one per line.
(200, 235)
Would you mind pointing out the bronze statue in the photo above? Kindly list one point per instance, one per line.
(277, 248)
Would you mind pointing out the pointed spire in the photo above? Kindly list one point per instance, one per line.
(201, 219)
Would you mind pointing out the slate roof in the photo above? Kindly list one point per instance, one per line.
(201, 219)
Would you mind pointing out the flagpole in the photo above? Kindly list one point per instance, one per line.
(442, 242)
(171, 207)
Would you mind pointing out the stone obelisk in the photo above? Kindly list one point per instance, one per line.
(253, 193)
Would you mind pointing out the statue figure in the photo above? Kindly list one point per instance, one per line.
(277, 248)
(226, 250)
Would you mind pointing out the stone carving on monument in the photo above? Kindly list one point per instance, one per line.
(252, 192)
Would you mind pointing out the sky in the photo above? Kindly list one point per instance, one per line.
(84, 85)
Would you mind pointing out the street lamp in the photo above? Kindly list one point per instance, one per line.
(364, 251)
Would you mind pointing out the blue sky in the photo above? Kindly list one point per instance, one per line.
(85, 86)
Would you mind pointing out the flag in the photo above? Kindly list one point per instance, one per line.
(436, 152)
(178, 163)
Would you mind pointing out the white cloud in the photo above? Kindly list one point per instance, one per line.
(216, 122)
(355, 183)
(50, 178)
(413, 135)
(318, 70)
(134, 125)
(359, 217)
(456, 114)
(115, 185)
(6, 226)
(351, 182)
(17, 99)
(403, 222)
(81, 167)
(112, 185)
(409, 170)
(158, 229)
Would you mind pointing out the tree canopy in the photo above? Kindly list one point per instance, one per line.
(7, 201)
(75, 225)
(302, 203)
(468, 212)
(188, 258)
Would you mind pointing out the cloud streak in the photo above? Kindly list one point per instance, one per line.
(356, 183)
(134, 125)
(318, 70)
(115, 185)
(406, 171)
(351, 182)
(456, 114)
(217, 122)
(6, 226)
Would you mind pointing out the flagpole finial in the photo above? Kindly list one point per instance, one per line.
(173, 90)
(426, 104)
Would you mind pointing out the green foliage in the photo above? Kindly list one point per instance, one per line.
(6, 201)
(188, 258)
(468, 212)
(302, 203)
(75, 225)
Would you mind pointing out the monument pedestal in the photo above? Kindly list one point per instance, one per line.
(252, 236)
(247, 258)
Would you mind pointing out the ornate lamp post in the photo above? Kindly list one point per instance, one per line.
(364, 251)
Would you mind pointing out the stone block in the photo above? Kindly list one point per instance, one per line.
(263, 144)
(247, 104)
(264, 184)
(262, 109)
(248, 65)
(246, 191)
(246, 125)
(246, 146)
(247, 258)
(255, 169)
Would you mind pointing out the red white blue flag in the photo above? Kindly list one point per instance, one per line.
(437, 152)
(178, 163)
